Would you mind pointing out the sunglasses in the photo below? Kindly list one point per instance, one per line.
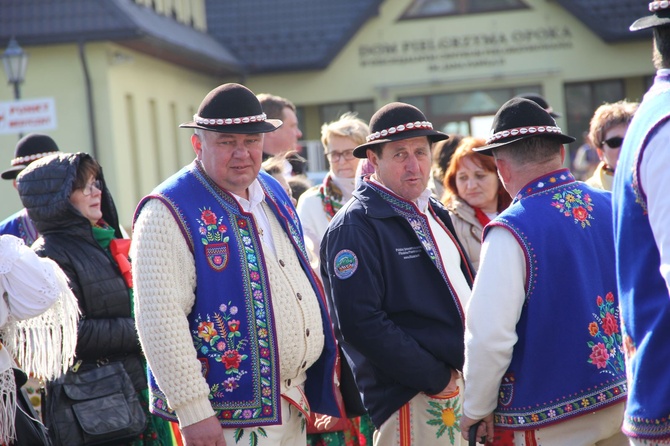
(614, 142)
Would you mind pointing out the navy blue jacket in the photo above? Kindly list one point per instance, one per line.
(397, 321)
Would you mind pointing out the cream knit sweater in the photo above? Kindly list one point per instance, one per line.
(165, 280)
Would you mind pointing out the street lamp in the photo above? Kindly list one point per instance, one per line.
(15, 60)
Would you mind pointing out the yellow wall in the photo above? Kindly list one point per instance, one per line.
(139, 102)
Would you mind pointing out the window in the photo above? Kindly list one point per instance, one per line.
(432, 8)
(581, 101)
(454, 112)
(332, 112)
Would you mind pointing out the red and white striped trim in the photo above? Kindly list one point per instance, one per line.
(229, 121)
(655, 6)
(523, 131)
(400, 128)
(29, 158)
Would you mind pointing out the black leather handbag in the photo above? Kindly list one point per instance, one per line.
(94, 407)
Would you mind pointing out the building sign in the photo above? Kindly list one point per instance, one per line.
(29, 115)
(465, 51)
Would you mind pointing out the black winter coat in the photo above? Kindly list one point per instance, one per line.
(106, 330)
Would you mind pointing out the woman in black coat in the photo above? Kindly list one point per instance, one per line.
(66, 197)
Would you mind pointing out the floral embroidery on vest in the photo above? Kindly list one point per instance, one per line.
(571, 203)
(216, 246)
(606, 350)
(218, 337)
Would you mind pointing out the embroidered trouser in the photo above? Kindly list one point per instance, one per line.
(600, 428)
(291, 432)
(424, 421)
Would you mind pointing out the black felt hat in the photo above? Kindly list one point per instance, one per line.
(541, 101)
(660, 16)
(519, 119)
(396, 121)
(31, 147)
(232, 108)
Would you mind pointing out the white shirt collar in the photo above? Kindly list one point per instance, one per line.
(256, 197)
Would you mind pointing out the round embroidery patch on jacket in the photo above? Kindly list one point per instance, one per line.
(345, 264)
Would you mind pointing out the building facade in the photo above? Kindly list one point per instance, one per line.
(125, 73)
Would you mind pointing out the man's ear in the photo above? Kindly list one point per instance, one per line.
(197, 145)
(562, 154)
(503, 169)
(373, 158)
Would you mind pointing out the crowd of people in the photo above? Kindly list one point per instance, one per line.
(433, 289)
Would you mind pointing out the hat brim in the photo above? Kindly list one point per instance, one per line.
(12, 172)
(488, 149)
(269, 125)
(433, 136)
(649, 21)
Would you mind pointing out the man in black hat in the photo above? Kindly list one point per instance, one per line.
(399, 280)
(642, 236)
(541, 101)
(29, 148)
(543, 351)
(230, 315)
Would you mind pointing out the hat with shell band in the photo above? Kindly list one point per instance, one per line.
(232, 108)
(660, 16)
(519, 119)
(31, 147)
(396, 121)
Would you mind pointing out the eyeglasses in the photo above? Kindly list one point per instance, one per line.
(88, 189)
(614, 142)
(334, 157)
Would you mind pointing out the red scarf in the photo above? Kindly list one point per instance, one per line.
(119, 248)
(481, 216)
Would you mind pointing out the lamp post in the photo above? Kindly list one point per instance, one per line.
(15, 60)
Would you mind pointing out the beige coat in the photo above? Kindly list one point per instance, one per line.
(468, 228)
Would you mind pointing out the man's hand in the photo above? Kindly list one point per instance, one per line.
(451, 387)
(484, 429)
(207, 432)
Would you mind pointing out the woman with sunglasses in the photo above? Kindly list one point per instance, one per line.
(607, 130)
(67, 198)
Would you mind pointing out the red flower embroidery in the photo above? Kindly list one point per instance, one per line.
(609, 297)
(208, 217)
(241, 223)
(231, 359)
(599, 355)
(610, 325)
(599, 301)
(580, 213)
(234, 325)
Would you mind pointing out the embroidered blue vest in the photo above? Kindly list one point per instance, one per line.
(568, 359)
(20, 225)
(232, 321)
(645, 304)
